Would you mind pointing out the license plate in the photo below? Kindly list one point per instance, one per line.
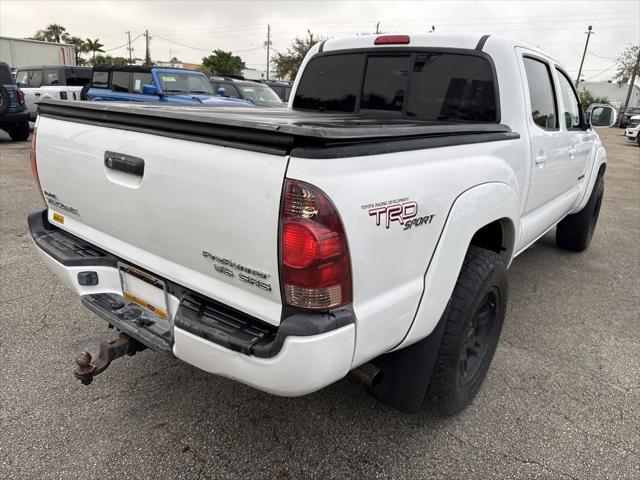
(145, 290)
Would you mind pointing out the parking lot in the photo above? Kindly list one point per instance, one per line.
(562, 399)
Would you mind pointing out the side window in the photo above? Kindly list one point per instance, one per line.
(572, 114)
(52, 77)
(120, 81)
(100, 80)
(34, 80)
(230, 91)
(543, 103)
(77, 77)
(21, 78)
(140, 79)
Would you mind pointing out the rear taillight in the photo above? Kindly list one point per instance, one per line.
(63, 96)
(20, 96)
(34, 164)
(392, 40)
(315, 270)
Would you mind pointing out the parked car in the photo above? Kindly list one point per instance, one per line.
(633, 129)
(369, 228)
(627, 114)
(14, 117)
(153, 84)
(56, 82)
(280, 87)
(256, 92)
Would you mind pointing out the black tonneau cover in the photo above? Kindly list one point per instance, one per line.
(277, 130)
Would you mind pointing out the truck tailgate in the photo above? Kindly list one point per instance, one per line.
(195, 213)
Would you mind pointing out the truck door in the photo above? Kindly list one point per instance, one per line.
(548, 141)
(580, 138)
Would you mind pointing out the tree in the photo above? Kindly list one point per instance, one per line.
(223, 63)
(93, 46)
(626, 61)
(52, 33)
(586, 98)
(81, 47)
(108, 60)
(287, 64)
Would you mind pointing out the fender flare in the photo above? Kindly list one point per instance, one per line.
(472, 210)
(600, 158)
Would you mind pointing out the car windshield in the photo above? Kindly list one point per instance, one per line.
(259, 93)
(176, 82)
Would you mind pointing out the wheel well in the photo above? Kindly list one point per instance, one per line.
(498, 236)
(603, 167)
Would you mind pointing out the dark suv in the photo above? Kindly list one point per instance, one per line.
(626, 116)
(14, 117)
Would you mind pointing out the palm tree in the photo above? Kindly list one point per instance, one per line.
(80, 47)
(93, 46)
(52, 33)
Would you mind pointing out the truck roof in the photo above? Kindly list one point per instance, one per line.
(434, 40)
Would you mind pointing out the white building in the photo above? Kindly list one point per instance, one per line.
(615, 93)
(19, 52)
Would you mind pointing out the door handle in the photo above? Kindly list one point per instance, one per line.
(572, 152)
(124, 163)
(541, 159)
(37, 94)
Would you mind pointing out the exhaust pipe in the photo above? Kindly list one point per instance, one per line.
(369, 374)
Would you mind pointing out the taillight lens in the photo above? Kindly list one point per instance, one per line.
(63, 96)
(315, 270)
(20, 96)
(34, 164)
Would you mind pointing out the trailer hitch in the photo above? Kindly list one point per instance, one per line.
(109, 351)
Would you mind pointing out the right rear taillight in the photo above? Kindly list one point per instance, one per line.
(64, 96)
(20, 95)
(34, 164)
(315, 270)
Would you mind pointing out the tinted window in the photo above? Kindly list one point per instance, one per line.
(77, 77)
(452, 87)
(140, 79)
(543, 104)
(572, 114)
(230, 91)
(120, 81)
(177, 82)
(52, 77)
(100, 79)
(35, 79)
(385, 83)
(425, 86)
(331, 83)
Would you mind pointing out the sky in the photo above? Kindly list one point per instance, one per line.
(189, 30)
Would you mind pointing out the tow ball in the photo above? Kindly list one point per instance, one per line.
(109, 351)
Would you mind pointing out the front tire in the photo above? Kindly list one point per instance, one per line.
(474, 319)
(19, 132)
(575, 232)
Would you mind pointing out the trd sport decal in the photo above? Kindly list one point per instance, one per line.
(401, 210)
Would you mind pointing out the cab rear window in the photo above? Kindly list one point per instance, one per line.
(436, 86)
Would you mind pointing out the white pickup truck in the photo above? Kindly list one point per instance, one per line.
(366, 228)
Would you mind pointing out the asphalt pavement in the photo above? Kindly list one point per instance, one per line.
(561, 400)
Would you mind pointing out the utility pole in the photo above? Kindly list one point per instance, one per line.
(147, 55)
(129, 47)
(633, 79)
(377, 28)
(268, 46)
(588, 32)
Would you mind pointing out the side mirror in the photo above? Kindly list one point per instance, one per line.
(603, 117)
(150, 89)
(221, 91)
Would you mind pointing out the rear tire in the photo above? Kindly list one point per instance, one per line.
(575, 232)
(474, 319)
(19, 132)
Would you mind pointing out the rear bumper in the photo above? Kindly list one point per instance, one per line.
(305, 353)
(14, 117)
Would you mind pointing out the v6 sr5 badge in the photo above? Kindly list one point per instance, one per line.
(401, 211)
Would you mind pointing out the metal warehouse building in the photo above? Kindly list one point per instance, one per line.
(19, 52)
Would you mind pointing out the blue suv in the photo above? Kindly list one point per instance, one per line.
(131, 83)
(14, 116)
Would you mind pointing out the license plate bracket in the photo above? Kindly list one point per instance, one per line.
(145, 290)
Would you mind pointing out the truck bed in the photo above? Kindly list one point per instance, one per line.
(279, 131)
